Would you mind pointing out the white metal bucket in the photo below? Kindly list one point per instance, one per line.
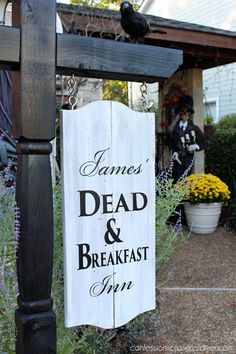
(202, 218)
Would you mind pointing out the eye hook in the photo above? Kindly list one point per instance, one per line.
(72, 84)
(144, 97)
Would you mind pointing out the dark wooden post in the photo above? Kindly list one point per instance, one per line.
(33, 127)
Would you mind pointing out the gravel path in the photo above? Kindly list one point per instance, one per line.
(197, 304)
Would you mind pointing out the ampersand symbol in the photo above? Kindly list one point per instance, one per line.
(111, 236)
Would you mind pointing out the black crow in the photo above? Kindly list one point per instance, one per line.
(134, 23)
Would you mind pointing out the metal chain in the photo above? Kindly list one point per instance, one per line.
(144, 97)
(72, 86)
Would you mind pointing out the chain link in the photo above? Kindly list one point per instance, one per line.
(72, 86)
(144, 97)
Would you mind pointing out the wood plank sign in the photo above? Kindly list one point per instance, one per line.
(108, 214)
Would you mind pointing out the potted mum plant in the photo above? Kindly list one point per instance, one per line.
(208, 126)
(203, 203)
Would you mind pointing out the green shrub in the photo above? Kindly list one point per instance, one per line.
(221, 151)
(227, 122)
(221, 157)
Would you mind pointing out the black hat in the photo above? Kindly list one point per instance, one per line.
(185, 102)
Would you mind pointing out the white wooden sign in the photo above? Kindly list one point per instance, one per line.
(108, 214)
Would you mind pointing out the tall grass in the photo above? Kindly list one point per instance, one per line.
(8, 283)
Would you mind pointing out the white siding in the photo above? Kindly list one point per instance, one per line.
(209, 13)
(221, 82)
(217, 82)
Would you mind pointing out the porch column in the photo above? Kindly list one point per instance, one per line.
(196, 91)
(185, 82)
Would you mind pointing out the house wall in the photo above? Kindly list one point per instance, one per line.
(209, 13)
(219, 84)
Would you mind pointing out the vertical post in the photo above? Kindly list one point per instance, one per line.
(34, 128)
(196, 90)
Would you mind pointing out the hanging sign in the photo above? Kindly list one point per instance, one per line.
(108, 214)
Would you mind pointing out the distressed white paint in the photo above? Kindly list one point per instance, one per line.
(128, 138)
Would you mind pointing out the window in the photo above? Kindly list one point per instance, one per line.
(211, 107)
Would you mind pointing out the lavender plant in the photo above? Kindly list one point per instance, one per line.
(169, 196)
(8, 282)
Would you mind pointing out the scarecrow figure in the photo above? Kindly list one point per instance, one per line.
(186, 138)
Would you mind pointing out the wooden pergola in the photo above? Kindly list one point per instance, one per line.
(203, 47)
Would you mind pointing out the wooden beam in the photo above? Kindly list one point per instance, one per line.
(193, 37)
(34, 114)
(101, 58)
(94, 57)
(199, 56)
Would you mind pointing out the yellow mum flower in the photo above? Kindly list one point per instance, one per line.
(207, 188)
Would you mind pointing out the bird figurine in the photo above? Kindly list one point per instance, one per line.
(134, 23)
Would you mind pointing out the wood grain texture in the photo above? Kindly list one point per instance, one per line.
(34, 127)
(35, 319)
(91, 57)
(195, 37)
(101, 58)
(34, 114)
(35, 248)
